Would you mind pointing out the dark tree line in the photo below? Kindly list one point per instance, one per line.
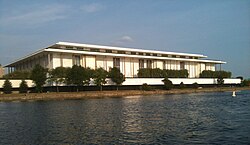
(79, 76)
(76, 76)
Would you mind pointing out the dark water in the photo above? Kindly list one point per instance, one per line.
(203, 118)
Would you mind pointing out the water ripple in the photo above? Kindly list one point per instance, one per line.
(202, 118)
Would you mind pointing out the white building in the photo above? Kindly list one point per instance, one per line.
(129, 60)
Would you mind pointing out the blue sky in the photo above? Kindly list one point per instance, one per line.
(219, 29)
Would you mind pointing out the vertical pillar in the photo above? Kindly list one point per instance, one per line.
(61, 60)
(124, 66)
(49, 60)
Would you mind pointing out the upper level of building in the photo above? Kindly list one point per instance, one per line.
(89, 49)
(122, 50)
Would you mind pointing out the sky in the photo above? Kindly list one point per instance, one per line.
(219, 29)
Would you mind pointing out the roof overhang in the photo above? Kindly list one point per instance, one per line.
(50, 49)
(25, 57)
(128, 49)
(132, 56)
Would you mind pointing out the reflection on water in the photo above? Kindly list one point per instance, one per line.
(203, 118)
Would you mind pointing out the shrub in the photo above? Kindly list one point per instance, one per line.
(158, 73)
(7, 87)
(167, 84)
(245, 83)
(220, 81)
(195, 85)
(215, 74)
(182, 85)
(23, 87)
(146, 87)
(144, 73)
(176, 73)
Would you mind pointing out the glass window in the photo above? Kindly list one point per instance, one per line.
(164, 64)
(76, 60)
(149, 63)
(141, 63)
(108, 51)
(133, 53)
(182, 65)
(116, 62)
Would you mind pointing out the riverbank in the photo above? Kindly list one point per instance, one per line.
(105, 94)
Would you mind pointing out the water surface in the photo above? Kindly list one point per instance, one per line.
(202, 118)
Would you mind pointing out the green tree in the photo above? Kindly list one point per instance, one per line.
(245, 83)
(88, 73)
(99, 77)
(220, 81)
(7, 87)
(18, 75)
(38, 75)
(116, 76)
(58, 76)
(76, 76)
(167, 83)
(23, 87)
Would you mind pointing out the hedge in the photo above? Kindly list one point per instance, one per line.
(159, 73)
(215, 74)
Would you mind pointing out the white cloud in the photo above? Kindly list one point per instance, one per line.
(126, 39)
(37, 16)
(91, 8)
(123, 40)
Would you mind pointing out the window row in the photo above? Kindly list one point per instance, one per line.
(124, 52)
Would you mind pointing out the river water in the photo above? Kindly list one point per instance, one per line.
(201, 118)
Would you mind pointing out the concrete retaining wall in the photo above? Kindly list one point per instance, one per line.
(16, 83)
(149, 81)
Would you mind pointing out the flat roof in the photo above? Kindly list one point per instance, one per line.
(133, 56)
(50, 49)
(127, 49)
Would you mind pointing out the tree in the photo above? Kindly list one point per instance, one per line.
(88, 73)
(7, 87)
(116, 76)
(58, 76)
(23, 87)
(38, 75)
(245, 83)
(99, 77)
(76, 76)
(167, 83)
(18, 75)
(220, 81)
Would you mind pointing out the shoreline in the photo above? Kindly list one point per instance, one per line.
(16, 97)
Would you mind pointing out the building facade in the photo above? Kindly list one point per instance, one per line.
(129, 60)
(1, 71)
